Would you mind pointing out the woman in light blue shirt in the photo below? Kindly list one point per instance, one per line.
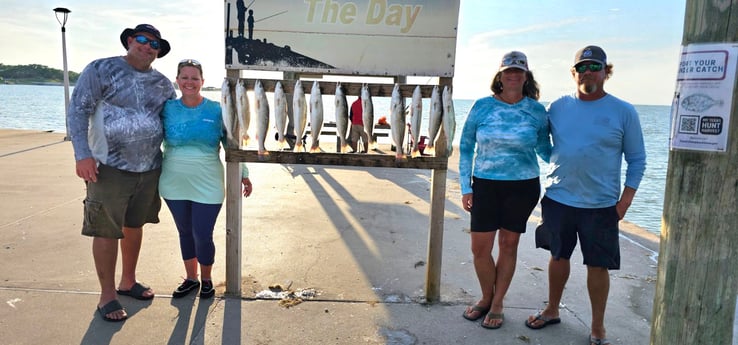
(499, 177)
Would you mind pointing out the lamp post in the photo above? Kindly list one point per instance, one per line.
(63, 21)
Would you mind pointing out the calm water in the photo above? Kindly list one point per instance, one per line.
(42, 108)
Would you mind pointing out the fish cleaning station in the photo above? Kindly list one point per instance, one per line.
(366, 49)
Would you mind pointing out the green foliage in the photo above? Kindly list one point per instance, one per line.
(20, 74)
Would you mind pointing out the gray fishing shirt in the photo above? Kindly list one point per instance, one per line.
(115, 115)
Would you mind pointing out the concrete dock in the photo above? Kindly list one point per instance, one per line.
(352, 240)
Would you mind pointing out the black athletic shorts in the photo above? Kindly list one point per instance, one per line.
(498, 204)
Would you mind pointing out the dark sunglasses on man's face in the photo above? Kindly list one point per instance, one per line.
(141, 39)
(593, 67)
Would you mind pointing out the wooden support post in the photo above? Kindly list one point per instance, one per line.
(437, 211)
(233, 219)
(697, 282)
(435, 236)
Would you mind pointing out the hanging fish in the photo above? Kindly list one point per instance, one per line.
(244, 112)
(342, 118)
(227, 115)
(416, 117)
(262, 117)
(280, 113)
(316, 116)
(434, 125)
(299, 115)
(397, 122)
(367, 115)
(449, 119)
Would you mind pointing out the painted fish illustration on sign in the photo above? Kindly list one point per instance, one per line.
(262, 117)
(699, 102)
(416, 117)
(449, 119)
(342, 118)
(244, 112)
(299, 115)
(367, 115)
(434, 124)
(316, 116)
(227, 115)
(280, 113)
(397, 122)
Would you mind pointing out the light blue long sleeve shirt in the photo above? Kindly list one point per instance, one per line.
(114, 115)
(590, 140)
(500, 141)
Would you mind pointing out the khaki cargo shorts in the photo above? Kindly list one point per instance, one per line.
(120, 199)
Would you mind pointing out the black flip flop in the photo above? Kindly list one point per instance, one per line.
(137, 292)
(546, 321)
(112, 306)
(598, 341)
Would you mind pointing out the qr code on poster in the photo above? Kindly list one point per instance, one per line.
(688, 124)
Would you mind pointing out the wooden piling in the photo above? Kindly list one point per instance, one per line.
(697, 282)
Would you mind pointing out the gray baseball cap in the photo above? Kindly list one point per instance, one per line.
(514, 59)
(590, 53)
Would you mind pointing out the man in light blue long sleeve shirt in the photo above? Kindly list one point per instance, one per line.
(116, 131)
(592, 132)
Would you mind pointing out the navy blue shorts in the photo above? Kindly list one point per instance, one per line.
(596, 228)
(498, 204)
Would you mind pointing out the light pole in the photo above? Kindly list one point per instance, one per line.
(64, 12)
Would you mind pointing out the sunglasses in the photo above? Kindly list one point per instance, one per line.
(510, 61)
(190, 62)
(141, 39)
(592, 67)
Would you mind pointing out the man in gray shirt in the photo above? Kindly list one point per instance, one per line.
(115, 126)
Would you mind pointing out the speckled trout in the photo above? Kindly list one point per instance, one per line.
(342, 118)
(316, 116)
(397, 122)
(416, 117)
(262, 116)
(449, 119)
(299, 115)
(280, 113)
(244, 112)
(367, 115)
(227, 115)
(434, 123)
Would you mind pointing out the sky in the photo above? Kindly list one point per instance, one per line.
(641, 38)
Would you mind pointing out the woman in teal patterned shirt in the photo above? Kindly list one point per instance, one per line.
(499, 177)
(192, 182)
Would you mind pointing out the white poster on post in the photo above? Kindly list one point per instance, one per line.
(703, 98)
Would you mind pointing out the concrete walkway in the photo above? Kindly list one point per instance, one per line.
(352, 240)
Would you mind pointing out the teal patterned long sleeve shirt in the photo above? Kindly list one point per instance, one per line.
(500, 141)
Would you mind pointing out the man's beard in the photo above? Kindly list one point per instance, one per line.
(587, 87)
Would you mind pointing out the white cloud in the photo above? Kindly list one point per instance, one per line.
(524, 32)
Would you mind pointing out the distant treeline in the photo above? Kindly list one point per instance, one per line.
(34, 74)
